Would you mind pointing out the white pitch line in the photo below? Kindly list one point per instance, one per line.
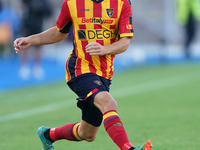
(126, 91)
(38, 110)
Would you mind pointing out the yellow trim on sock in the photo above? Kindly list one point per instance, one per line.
(75, 131)
(112, 113)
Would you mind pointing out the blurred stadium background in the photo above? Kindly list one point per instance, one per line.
(158, 39)
(154, 64)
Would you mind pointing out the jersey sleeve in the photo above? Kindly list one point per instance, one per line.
(64, 21)
(125, 22)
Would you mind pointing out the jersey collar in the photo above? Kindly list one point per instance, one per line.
(97, 1)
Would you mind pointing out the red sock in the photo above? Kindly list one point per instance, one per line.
(68, 132)
(115, 129)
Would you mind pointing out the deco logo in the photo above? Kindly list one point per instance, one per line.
(81, 35)
(96, 34)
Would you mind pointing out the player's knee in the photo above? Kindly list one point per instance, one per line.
(105, 102)
(110, 104)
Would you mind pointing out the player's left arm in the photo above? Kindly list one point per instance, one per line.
(112, 49)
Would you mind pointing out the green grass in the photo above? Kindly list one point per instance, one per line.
(157, 103)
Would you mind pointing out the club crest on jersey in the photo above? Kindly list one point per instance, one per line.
(110, 12)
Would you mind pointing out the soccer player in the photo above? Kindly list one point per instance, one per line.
(101, 29)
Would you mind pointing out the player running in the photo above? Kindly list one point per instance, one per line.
(101, 29)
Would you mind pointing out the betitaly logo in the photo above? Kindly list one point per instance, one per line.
(97, 20)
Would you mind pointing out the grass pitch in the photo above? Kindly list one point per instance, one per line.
(160, 103)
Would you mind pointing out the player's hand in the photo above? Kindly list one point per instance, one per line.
(95, 49)
(21, 44)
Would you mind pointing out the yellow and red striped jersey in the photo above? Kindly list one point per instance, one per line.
(102, 21)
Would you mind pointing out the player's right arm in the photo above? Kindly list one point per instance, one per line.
(49, 36)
